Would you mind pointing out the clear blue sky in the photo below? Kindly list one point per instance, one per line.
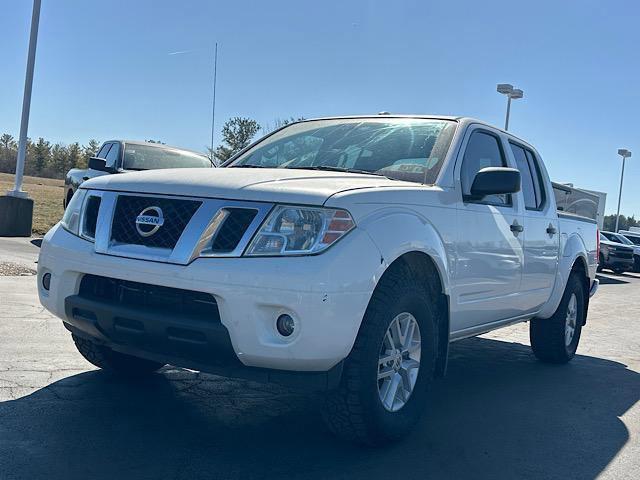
(104, 69)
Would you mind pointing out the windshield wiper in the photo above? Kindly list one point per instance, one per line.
(329, 168)
(247, 165)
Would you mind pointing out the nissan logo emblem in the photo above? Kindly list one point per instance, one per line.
(149, 221)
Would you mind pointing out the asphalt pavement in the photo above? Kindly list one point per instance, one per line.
(498, 414)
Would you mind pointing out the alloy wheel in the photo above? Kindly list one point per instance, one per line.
(399, 361)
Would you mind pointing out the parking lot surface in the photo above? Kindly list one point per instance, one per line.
(498, 414)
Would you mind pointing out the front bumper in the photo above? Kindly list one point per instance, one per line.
(326, 294)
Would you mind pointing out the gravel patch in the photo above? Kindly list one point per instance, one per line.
(11, 269)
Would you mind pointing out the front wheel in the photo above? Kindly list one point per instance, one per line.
(555, 339)
(112, 361)
(386, 376)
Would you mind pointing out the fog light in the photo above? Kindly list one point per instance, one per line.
(285, 325)
(46, 281)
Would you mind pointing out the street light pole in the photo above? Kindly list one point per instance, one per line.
(624, 153)
(26, 103)
(512, 94)
(506, 120)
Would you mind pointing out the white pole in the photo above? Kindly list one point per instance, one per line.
(26, 103)
(506, 121)
(213, 103)
(620, 193)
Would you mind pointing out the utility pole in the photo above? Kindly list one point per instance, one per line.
(26, 103)
(213, 103)
(16, 208)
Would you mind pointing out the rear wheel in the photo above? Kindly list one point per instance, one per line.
(107, 359)
(386, 376)
(555, 339)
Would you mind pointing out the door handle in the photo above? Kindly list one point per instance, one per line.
(516, 227)
(551, 230)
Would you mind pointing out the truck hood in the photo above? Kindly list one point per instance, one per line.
(252, 184)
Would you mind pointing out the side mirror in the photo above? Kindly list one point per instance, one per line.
(495, 181)
(100, 164)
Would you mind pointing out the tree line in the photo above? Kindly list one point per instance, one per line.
(54, 160)
(44, 158)
(623, 224)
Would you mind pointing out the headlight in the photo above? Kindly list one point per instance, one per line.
(71, 218)
(292, 230)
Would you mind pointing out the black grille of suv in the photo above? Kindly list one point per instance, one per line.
(623, 252)
(176, 215)
(232, 230)
(151, 298)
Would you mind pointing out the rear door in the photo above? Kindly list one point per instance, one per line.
(489, 247)
(541, 231)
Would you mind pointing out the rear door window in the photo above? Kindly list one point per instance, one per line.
(536, 173)
(526, 178)
(530, 175)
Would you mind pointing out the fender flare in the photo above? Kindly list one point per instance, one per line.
(389, 230)
(397, 231)
(572, 248)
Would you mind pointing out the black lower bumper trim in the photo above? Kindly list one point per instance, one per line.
(179, 341)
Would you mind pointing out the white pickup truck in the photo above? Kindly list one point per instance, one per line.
(339, 254)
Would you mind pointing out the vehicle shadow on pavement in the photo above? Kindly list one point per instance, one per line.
(498, 414)
(604, 280)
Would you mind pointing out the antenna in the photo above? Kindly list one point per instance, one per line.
(213, 102)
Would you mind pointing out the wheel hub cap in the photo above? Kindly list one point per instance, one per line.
(399, 362)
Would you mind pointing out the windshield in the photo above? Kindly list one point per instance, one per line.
(633, 239)
(623, 239)
(145, 157)
(614, 237)
(408, 149)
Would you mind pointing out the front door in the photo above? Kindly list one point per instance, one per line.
(490, 242)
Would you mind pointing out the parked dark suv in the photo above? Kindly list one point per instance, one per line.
(117, 156)
(615, 254)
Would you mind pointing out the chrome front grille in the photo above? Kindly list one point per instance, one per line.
(127, 225)
(176, 214)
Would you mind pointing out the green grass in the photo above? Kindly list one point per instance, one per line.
(47, 194)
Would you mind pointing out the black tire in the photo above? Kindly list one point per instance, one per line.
(548, 336)
(600, 263)
(636, 263)
(355, 411)
(115, 362)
